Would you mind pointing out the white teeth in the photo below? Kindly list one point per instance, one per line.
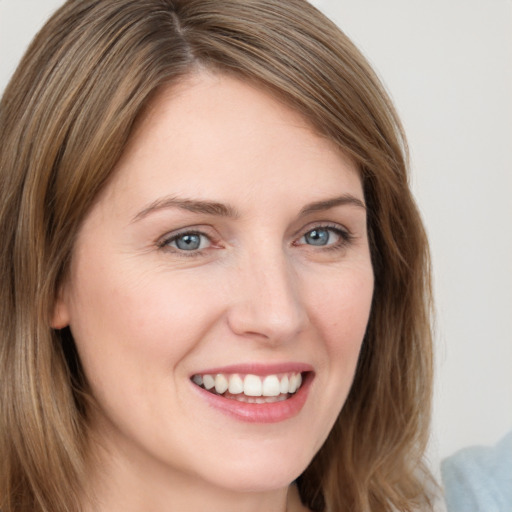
(283, 387)
(271, 386)
(236, 385)
(259, 400)
(292, 385)
(221, 384)
(252, 385)
(208, 381)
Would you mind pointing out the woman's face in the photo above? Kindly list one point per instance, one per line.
(230, 249)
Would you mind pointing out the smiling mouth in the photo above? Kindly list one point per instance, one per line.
(251, 388)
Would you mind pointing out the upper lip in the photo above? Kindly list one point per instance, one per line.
(258, 369)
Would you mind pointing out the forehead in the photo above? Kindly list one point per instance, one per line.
(211, 95)
(215, 134)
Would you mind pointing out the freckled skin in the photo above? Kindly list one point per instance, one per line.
(147, 314)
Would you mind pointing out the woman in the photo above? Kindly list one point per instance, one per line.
(214, 277)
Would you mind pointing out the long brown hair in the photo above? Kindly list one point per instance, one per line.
(65, 119)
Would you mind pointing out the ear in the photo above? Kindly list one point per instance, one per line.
(60, 316)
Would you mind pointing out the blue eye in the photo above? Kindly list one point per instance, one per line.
(188, 241)
(321, 237)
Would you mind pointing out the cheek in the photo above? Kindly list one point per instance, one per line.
(341, 313)
(134, 317)
(132, 332)
(341, 308)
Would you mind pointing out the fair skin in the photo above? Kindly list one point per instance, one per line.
(231, 241)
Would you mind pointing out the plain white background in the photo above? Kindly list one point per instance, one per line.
(448, 67)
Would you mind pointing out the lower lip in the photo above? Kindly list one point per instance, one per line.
(260, 413)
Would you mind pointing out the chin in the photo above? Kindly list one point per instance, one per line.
(259, 473)
(261, 480)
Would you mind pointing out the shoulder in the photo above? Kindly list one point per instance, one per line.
(479, 478)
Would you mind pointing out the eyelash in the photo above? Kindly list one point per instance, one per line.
(164, 244)
(345, 238)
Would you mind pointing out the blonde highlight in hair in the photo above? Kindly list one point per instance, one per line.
(65, 119)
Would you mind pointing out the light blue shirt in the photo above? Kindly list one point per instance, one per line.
(479, 479)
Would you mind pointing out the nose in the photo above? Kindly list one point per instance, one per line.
(266, 301)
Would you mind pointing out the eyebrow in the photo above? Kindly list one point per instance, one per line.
(191, 205)
(224, 210)
(320, 206)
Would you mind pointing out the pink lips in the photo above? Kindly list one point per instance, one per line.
(272, 412)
